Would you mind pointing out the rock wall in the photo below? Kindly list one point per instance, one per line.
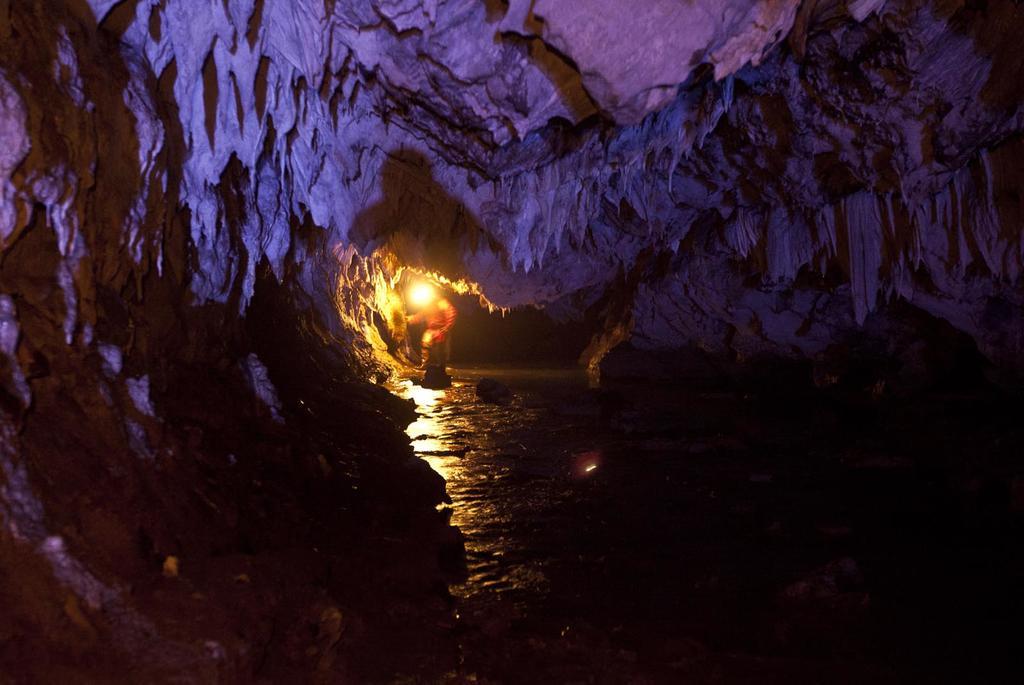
(174, 478)
(511, 147)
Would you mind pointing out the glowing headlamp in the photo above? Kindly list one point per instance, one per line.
(421, 294)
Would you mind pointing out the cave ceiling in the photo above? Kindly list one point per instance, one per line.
(721, 161)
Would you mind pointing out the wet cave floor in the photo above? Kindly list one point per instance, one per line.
(658, 534)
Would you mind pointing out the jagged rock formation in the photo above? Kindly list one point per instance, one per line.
(862, 146)
(746, 178)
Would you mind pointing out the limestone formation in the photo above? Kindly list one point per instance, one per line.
(202, 202)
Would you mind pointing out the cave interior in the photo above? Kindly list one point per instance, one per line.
(736, 373)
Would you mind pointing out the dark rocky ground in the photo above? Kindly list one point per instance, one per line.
(644, 532)
(182, 534)
(299, 554)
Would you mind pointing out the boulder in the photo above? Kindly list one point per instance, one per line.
(490, 390)
(436, 377)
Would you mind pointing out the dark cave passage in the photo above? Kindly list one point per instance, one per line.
(519, 337)
(720, 311)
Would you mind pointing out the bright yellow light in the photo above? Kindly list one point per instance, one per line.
(421, 294)
(427, 432)
(425, 398)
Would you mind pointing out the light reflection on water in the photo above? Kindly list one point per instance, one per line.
(503, 471)
(427, 432)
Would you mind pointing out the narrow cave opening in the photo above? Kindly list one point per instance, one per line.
(519, 337)
(481, 334)
(723, 302)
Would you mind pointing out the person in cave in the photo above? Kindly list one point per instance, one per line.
(437, 314)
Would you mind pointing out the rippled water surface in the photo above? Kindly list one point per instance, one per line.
(512, 470)
(661, 533)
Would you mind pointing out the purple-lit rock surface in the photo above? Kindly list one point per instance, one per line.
(181, 181)
(633, 56)
(878, 141)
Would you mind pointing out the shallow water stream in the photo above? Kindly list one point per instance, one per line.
(651, 534)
